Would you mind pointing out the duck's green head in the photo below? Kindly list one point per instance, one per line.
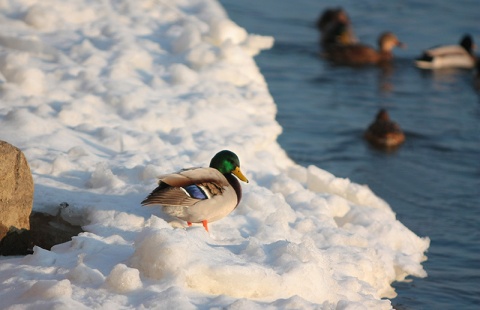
(227, 162)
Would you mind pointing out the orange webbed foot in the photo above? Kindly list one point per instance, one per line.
(205, 224)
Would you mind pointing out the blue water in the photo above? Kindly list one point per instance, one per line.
(432, 182)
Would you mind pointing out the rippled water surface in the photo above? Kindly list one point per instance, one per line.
(432, 181)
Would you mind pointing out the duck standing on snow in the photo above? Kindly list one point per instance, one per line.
(449, 56)
(361, 54)
(384, 132)
(201, 195)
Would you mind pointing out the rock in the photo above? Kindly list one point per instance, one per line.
(48, 230)
(16, 242)
(16, 190)
(20, 228)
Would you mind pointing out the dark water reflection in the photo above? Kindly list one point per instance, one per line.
(432, 181)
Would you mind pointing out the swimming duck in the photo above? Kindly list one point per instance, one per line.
(335, 27)
(449, 56)
(361, 54)
(201, 195)
(384, 132)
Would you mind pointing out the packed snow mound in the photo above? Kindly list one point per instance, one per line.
(102, 97)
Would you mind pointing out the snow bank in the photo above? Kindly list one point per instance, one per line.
(104, 96)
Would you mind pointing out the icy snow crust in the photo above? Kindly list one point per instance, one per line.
(103, 96)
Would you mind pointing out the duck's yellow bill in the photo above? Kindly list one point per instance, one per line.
(239, 174)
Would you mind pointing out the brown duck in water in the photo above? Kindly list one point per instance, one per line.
(384, 132)
(361, 54)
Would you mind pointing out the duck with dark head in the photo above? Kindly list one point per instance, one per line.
(201, 194)
(449, 56)
(335, 28)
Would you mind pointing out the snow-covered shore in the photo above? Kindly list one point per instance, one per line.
(104, 96)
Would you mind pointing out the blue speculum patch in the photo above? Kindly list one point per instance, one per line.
(195, 192)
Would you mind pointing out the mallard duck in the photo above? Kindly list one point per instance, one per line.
(201, 195)
(449, 56)
(335, 27)
(361, 54)
(384, 132)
